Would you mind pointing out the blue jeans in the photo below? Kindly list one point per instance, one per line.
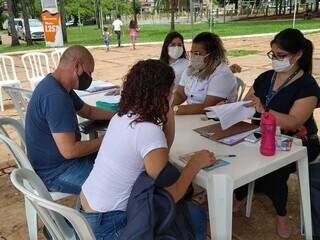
(108, 225)
(107, 42)
(105, 226)
(71, 180)
(198, 220)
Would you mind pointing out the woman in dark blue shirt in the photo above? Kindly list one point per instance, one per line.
(291, 93)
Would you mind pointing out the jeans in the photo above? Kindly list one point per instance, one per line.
(71, 180)
(198, 220)
(107, 42)
(105, 226)
(314, 173)
(108, 225)
(118, 33)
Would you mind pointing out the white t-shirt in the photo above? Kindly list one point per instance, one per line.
(179, 66)
(221, 83)
(117, 25)
(120, 162)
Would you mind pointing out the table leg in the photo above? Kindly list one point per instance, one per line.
(303, 171)
(220, 192)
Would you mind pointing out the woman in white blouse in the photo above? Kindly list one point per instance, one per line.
(208, 80)
(174, 53)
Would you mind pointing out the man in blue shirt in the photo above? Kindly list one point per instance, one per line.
(53, 137)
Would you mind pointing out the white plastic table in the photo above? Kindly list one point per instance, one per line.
(248, 166)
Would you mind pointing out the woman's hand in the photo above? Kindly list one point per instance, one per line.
(235, 68)
(202, 159)
(256, 103)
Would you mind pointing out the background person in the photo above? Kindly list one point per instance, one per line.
(117, 24)
(106, 38)
(133, 32)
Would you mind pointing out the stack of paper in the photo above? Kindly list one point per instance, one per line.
(99, 85)
(231, 113)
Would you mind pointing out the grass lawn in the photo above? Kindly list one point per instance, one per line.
(91, 35)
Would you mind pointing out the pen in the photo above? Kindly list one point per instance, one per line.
(225, 156)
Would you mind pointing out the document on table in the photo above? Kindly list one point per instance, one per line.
(231, 140)
(99, 85)
(230, 113)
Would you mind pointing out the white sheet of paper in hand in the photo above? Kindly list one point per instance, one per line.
(232, 113)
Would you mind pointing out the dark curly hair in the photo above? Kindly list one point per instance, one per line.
(145, 93)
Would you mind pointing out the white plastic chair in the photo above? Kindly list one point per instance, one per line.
(20, 98)
(56, 55)
(52, 214)
(241, 86)
(22, 161)
(8, 76)
(36, 65)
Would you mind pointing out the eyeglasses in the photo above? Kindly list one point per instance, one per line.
(273, 56)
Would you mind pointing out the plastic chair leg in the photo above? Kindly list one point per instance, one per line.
(249, 199)
(1, 100)
(31, 215)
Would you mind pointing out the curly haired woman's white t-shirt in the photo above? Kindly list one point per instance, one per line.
(120, 161)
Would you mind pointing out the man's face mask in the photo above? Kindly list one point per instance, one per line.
(85, 80)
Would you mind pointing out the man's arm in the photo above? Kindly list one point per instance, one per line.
(70, 148)
(94, 113)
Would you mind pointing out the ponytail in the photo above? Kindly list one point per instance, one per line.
(305, 62)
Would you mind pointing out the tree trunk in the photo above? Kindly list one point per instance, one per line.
(25, 16)
(172, 14)
(134, 8)
(97, 3)
(14, 35)
(63, 22)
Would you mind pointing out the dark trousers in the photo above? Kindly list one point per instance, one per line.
(118, 33)
(314, 173)
(274, 185)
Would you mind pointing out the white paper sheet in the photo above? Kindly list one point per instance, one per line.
(231, 113)
(99, 85)
(235, 138)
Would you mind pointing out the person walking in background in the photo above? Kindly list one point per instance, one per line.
(133, 31)
(117, 28)
(106, 38)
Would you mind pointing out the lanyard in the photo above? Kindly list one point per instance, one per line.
(272, 93)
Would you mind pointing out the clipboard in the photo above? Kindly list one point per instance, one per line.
(215, 132)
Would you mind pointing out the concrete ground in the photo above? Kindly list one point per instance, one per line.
(112, 66)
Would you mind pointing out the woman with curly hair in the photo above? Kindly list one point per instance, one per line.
(208, 80)
(138, 139)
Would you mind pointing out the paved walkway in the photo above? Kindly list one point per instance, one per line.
(112, 66)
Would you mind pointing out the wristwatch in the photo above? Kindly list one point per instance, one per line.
(175, 108)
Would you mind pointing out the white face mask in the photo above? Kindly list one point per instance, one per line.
(197, 61)
(281, 65)
(175, 52)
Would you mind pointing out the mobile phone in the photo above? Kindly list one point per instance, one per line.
(253, 137)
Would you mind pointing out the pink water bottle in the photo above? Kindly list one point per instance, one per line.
(268, 130)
